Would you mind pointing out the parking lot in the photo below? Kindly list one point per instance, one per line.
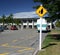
(19, 42)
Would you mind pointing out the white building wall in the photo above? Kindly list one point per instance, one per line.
(30, 23)
(24, 23)
(35, 23)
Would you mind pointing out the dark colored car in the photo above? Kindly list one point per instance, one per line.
(13, 27)
(1, 28)
(6, 28)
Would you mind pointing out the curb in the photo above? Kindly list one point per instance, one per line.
(35, 52)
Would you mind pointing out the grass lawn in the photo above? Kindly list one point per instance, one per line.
(51, 44)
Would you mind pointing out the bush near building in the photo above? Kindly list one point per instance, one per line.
(58, 23)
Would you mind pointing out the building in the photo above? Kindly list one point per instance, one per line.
(28, 23)
(25, 23)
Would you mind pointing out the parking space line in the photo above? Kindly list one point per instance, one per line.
(18, 47)
(4, 53)
(14, 41)
(26, 49)
(6, 44)
(19, 51)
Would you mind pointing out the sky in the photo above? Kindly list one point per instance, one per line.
(16, 6)
(19, 8)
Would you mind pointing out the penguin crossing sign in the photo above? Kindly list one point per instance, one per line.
(41, 11)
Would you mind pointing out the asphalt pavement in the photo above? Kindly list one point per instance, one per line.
(19, 42)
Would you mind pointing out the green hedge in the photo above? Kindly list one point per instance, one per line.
(58, 23)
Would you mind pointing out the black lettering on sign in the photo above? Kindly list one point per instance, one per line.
(41, 11)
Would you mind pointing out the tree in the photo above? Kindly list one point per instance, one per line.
(17, 21)
(58, 23)
(53, 7)
(10, 18)
(3, 19)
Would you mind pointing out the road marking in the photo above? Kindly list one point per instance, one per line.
(14, 41)
(4, 53)
(6, 44)
(24, 50)
(19, 51)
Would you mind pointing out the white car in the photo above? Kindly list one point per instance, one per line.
(44, 25)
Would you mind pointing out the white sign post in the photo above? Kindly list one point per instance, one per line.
(41, 11)
(40, 35)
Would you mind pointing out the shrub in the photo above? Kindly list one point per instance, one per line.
(58, 23)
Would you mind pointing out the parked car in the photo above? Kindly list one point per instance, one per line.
(1, 28)
(45, 26)
(13, 27)
(6, 28)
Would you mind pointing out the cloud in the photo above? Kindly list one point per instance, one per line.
(30, 14)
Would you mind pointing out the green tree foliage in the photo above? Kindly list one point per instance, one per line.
(10, 19)
(3, 18)
(17, 21)
(0, 20)
(53, 7)
(58, 23)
